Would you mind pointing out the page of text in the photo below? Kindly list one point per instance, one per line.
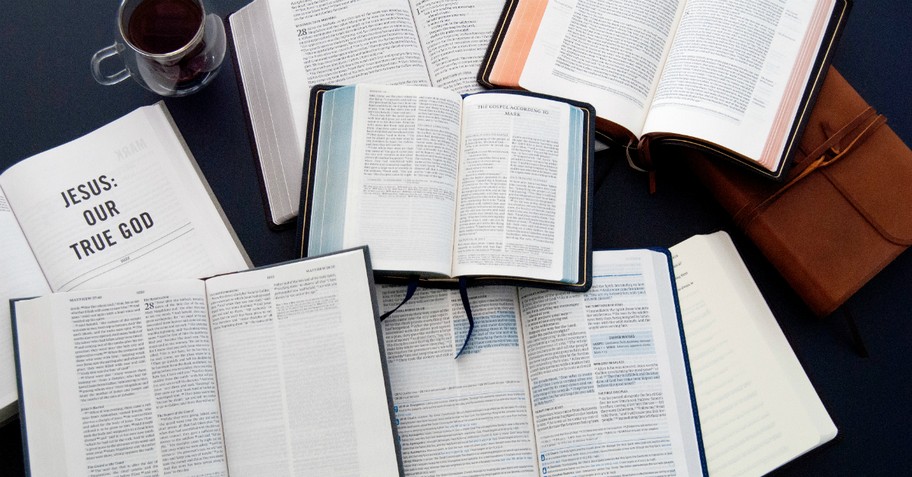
(344, 42)
(757, 408)
(455, 35)
(123, 204)
(402, 191)
(300, 374)
(121, 382)
(607, 373)
(607, 53)
(21, 278)
(730, 67)
(466, 416)
(513, 180)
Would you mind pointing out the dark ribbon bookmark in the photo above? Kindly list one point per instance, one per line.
(464, 294)
(412, 286)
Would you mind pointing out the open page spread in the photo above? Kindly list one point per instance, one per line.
(758, 409)
(120, 382)
(607, 373)
(123, 204)
(21, 278)
(551, 383)
(301, 383)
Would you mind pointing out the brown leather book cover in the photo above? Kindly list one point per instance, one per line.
(843, 212)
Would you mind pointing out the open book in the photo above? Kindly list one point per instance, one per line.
(551, 383)
(758, 410)
(273, 371)
(123, 204)
(735, 78)
(283, 47)
(493, 185)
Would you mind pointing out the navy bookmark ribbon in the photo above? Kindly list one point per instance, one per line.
(464, 294)
(412, 286)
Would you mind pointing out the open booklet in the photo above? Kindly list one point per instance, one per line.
(758, 410)
(735, 78)
(272, 371)
(551, 383)
(123, 204)
(493, 186)
(283, 47)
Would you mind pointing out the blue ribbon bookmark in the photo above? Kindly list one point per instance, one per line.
(464, 294)
(412, 286)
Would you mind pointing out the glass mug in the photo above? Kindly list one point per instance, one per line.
(170, 47)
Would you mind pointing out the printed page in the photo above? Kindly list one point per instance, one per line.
(120, 382)
(402, 190)
(454, 35)
(300, 370)
(732, 65)
(607, 373)
(513, 181)
(606, 53)
(466, 416)
(124, 204)
(21, 278)
(758, 410)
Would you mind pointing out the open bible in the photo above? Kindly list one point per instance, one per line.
(283, 47)
(551, 383)
(494, 185)
(735, 78)
(124, 204)
(272, 371)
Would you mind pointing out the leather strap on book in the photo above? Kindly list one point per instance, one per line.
(409, 292)
(464, 294)
(826, 154)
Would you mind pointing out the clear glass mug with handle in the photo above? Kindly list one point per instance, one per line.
(170, 47)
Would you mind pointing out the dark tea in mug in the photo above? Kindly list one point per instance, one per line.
(163, 26)
(170, 47)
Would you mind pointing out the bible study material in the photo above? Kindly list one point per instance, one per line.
(493, 187)
(551, 383)
(124, 204)
(283, 47)
(758, 409)
(272, 371)
(734, 78)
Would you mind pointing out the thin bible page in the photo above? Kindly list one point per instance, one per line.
(442, 403)
(301, 383)
(758, 410)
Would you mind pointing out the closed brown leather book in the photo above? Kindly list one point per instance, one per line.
(844, 211)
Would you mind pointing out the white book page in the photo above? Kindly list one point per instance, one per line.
(758, 410)
(465, 416)
(606, 53)
(606, 371)
(402, 185)
(344, 42)
(120, 382)
(123, 204)
(730, 67)
(21, 278)
(455, 35)
(512, 187)
(299, 370)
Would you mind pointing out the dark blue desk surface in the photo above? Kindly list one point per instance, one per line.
(48, 97)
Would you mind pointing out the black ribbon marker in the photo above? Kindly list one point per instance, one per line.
(412, 286)
(464, 294)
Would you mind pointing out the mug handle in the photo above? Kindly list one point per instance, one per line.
(102, 55)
